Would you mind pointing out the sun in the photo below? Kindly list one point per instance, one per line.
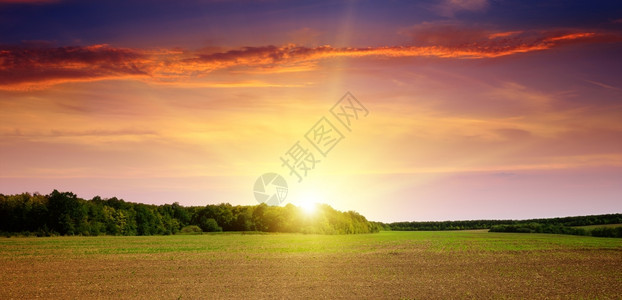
(308, 207)
(308, 202)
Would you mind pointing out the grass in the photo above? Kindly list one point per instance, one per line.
(410, 265)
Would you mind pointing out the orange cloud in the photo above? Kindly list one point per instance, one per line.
(571, 36)
(23, 68)
(503, 34)
(28, 1)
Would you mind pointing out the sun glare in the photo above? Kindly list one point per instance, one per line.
(308, 199)
(308, 207)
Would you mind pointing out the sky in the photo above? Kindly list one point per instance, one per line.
(399, 110)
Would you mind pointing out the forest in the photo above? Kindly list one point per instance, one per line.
(63, 213)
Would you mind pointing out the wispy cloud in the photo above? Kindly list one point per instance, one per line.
(85, 133)
(604, 85)
(37, 67)
(448, 8)
(504, 34)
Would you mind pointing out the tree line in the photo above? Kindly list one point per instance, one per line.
(565, 225)
(558, 229)
(63, 213)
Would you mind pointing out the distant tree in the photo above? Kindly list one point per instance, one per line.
(243, 218)
(66, 213)
(258, 217)
(210, 225)
(181, 214)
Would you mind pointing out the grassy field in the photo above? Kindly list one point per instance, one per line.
(397, 265)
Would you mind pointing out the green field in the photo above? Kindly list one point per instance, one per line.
(397, 265)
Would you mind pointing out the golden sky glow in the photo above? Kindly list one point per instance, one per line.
(466, 119)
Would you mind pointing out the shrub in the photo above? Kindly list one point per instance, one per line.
(210, 225)
(191, 229)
